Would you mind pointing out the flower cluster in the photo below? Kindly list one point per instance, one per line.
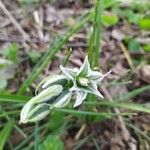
(56, 91)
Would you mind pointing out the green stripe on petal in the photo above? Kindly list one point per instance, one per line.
(95, 75)
(53, 80)
(24, 112)
(49, 81)
(80, 97)
(70, 73)
(62, 100)
(47, 94)
(84, 69)
(39, 112)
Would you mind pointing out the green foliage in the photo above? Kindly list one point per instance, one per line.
(133, 46)
(131, 16)
(144, 23)
(109, 20)
(34, 55)
(5, 97)
(146, 48)
(110, 3)
(86, 113)
(5, 132)
(56, 120)
(11, 52)
(133, 93)
(3, 84)
(132, 106)
(52, 143)
(29, 1)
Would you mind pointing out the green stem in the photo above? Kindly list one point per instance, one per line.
(36, 133)
(97, 30)
(94, 42)
(67, 58)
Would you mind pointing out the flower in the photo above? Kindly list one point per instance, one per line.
(56, 91)
(84, 81)
(55, 95)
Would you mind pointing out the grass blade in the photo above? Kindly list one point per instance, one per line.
(36, 135)
(133, 106)
(97, 31)
(13, 98)
(134, 93)
(5, 132)
(51, 52)
(78, 112)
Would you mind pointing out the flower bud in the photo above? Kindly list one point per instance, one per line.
(36, 113)
(28, 112)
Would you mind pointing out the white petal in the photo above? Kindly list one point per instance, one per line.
(70, 73)
(48, 93)
(80, 97)
(92, 88)
(100, 79)
(38, 113)
(49, 80)
(39, 116)
(24, 112)
(85, 68)
(95, 75)
(42, 82)
(95, 91)
(62, 100)
(54, 79)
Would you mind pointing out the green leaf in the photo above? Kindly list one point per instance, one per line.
(109, 20)
(146, 48)
(133, 93)
(52, 143)
(5, 132)
(56, 120)
(11, 52)
(133, 106)
(110, 3)
(3, 84)
(78, 112)
(133, 46)
(29, 1)
(144, 24)
(13, 98)
(34, 55)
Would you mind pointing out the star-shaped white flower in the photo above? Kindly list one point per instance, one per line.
(56, 91)
(84, 81)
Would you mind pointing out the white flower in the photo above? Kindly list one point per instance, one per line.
(84, 81)
(56, 91)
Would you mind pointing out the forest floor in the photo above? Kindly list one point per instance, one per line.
(29, 28)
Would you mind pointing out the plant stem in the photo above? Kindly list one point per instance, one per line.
(36, 133)
(94, 42)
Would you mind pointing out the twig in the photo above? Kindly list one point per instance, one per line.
(17, 25)
(81, 130)
(127, 55)
(38, 17)
(125, 133)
